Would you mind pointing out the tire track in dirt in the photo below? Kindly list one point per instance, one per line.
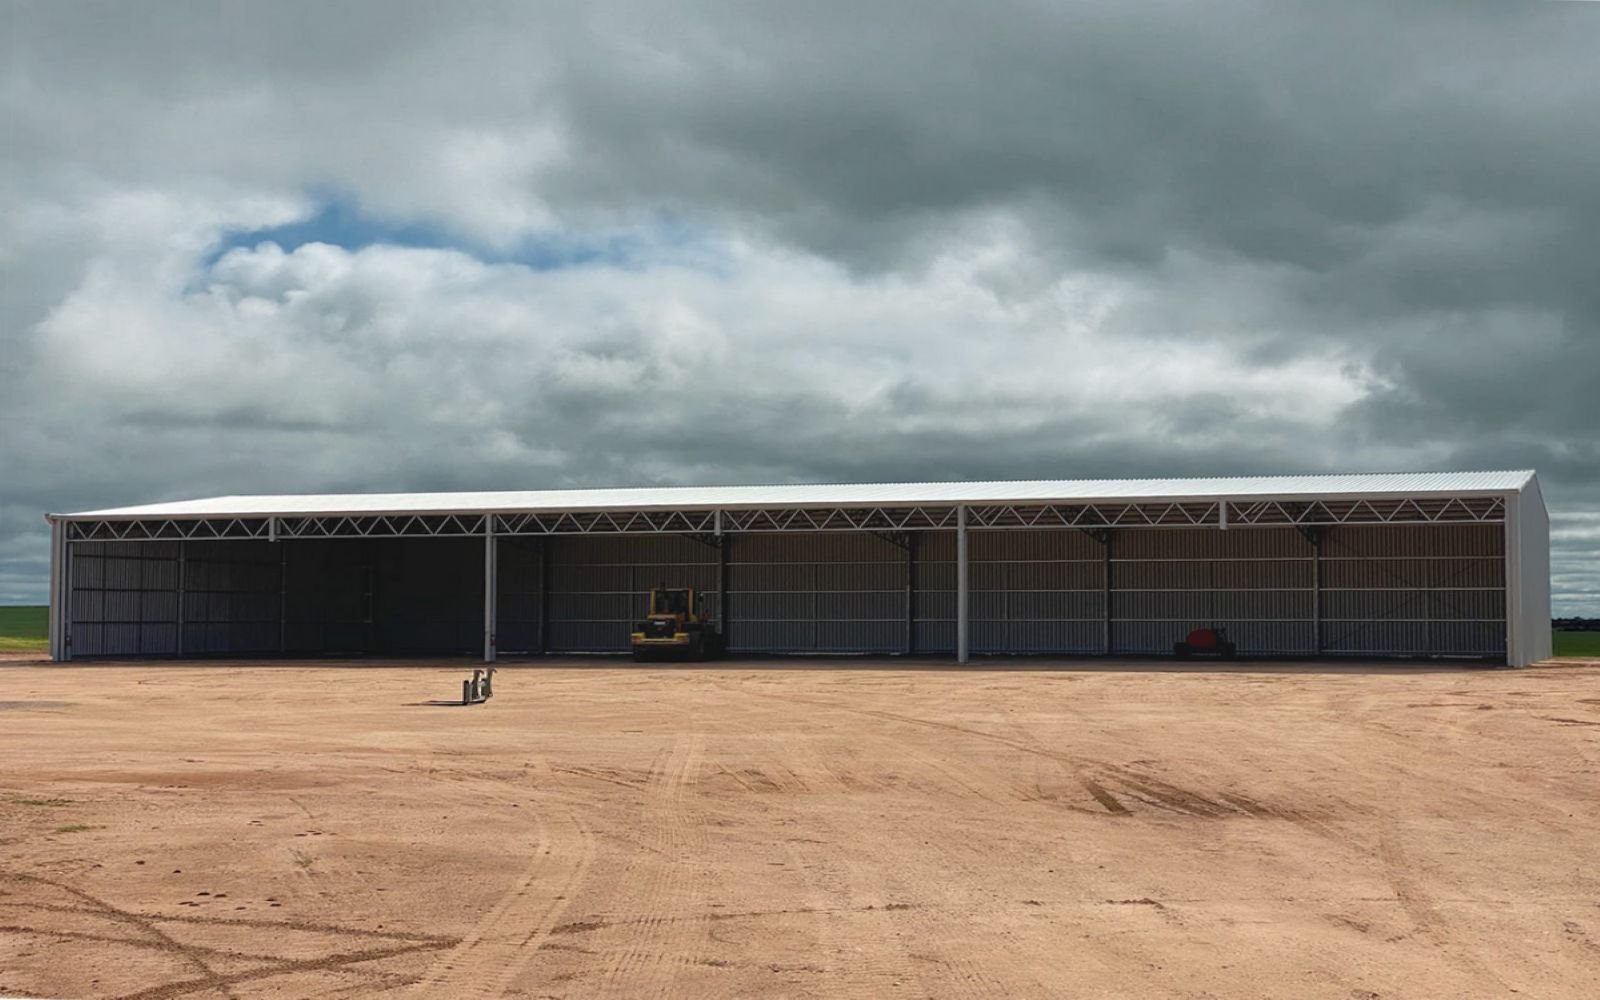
(1423, 910)
(659, 946)
(328, 963)
(491, 955)
(1107, 801)
(853, 966)
(147, 943)
(163, 941)
(894, 895)
(948, 962)
(1094, 776)
(964, 966)
(879, 961)
(1074, 764)
(290, 925)
(811, 781)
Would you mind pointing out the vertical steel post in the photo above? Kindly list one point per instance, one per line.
(1316, 590)
(724, 603)
(283, 600)
(911, 591)
(1106, 621)
(66, 592)
(183, 585)
(58, 604)
(544, 593)
(722, 594)
(491, 580)
(1513, 571)
(961, 584)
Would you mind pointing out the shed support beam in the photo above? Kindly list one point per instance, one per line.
(1105, 621)
(60, 596)
(961, 585)
(491, 580)
(544, 595)
(183, 573)
(283, 599)
(911, 591)
(723, 602)
(68, 552)
(1315, 535)
(1513, 571)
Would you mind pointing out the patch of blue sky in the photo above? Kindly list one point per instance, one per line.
(339, 221)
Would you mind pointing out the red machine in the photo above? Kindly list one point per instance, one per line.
(1205, 642)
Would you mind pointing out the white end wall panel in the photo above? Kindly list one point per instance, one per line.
(1532, 525)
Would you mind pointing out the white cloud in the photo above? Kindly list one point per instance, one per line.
(832, 248)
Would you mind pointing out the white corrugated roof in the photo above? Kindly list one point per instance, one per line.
(1369, 485)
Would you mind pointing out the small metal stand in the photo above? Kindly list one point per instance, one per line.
(480, 688)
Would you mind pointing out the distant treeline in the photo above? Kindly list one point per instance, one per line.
(1576, 624)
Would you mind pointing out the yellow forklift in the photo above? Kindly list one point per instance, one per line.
(676, 629)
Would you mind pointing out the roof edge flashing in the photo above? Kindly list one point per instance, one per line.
(1355, 487)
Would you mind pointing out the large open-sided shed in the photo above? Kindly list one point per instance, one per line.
(1411, 564)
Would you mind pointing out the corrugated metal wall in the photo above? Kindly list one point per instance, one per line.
(817, 593)
(1435, 589)
(411, 595)
(328, 604)
(1029, 592)
(518, 626)
(1393, 590)
(427, 595)
(1388, 590)
(600, 585)
(124, 598)
(232, 597)
(1256, 583)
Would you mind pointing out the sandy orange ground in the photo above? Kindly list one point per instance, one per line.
(808, 829)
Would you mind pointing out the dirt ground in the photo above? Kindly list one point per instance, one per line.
(800, 828)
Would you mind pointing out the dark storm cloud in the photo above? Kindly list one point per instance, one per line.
(920, 240)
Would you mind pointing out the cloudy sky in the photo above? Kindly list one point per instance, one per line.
(295, 247)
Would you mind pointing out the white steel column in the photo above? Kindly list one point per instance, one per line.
(911, 591)
(1106, 597)
(283, 599)
(1316, 591)
(66, 592)
(491, 578)
(58, 600)
(722, 575)
(1513, 537)
(183, 569)
(961, 584)
(67, 600)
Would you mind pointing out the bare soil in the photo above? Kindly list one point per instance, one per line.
(800, 828)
